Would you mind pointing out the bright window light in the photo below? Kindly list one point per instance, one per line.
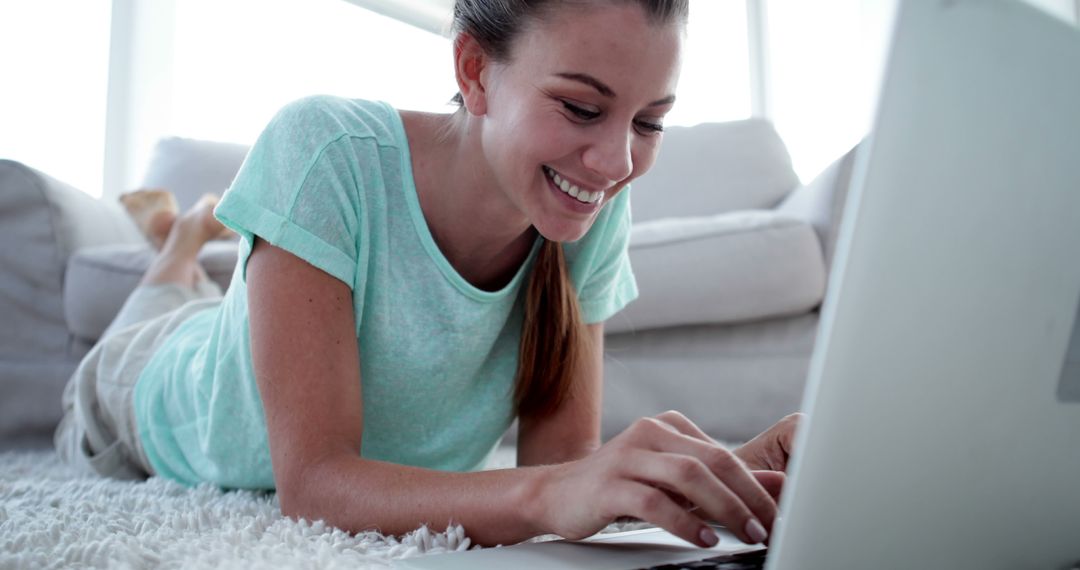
(715, 81)
(236, 62)
(821, 88)
(52, 103)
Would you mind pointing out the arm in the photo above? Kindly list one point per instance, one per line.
(573, 431)
(307, 366)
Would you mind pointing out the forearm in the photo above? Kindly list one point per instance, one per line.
(530, 455)
(356, 494)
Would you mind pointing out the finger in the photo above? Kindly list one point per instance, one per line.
(690, 477)
(725, 465)
(791, 424)
(783, 434)
(683, 425)
(650, 504)
(772, 481)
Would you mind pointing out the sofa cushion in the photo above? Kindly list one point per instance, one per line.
(728, 268)
(713, 168)
(100, 279)
(732, 381)
(190, 168)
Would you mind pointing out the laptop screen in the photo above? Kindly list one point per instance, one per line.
(1069, 388)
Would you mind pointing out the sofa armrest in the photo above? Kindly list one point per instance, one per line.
(42, 222)
(729, 268)
(821, 202)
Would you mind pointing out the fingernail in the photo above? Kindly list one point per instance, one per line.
(708, 536)
(755, 531)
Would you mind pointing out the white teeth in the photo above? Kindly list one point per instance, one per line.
(583, 196)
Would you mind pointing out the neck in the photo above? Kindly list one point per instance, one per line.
(479, 231)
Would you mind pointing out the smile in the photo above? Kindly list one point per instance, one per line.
(583, 196)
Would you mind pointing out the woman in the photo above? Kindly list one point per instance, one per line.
(379, 334)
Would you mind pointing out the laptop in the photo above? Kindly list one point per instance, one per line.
(943, 397)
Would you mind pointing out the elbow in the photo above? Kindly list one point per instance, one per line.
(297, 501)
(305, 491)
(292, 502)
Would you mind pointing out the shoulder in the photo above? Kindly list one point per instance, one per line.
(324, 118)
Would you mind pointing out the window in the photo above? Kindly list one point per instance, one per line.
(822, 76)
(238, 61)
(52, 104)
(715, 80)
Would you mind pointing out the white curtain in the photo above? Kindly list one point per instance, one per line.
(431, 15)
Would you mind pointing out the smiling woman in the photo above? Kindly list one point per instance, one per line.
(411, 282)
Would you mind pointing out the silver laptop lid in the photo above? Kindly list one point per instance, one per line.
(944, 423)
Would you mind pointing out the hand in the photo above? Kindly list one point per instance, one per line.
(654, 471)
(771, 449)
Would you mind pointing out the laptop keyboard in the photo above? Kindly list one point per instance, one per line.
(754, 560)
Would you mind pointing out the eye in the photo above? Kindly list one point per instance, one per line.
(583, 114)
(649, 128)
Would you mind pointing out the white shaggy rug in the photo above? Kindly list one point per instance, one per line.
(54, 517)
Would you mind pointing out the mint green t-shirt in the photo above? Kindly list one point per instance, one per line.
(330, 180)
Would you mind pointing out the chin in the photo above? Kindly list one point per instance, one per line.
(563, 232)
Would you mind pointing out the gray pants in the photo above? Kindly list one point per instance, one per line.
(98, 432)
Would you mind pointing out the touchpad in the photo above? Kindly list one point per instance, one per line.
(1069, 388)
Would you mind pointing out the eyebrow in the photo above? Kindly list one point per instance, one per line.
(605, 90)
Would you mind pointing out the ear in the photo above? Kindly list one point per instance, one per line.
(470, 61)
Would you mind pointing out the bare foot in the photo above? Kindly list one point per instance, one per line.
(195, 227)
(153, 210)
(158, 227)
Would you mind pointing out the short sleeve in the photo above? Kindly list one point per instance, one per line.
(296, 190)
(600, 263)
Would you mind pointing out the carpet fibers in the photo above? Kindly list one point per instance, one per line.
(54, 517)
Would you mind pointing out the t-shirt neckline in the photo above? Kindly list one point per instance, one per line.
(408, 186)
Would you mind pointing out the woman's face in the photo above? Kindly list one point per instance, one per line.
(578, 110)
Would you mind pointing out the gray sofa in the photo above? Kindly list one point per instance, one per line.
(730, 252)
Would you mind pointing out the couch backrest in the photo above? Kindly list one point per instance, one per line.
(715, 167)
(190, 168)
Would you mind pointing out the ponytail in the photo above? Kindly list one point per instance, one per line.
(552, 336)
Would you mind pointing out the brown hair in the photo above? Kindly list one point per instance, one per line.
(553, 337)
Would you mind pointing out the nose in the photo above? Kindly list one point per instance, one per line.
(610, 155)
